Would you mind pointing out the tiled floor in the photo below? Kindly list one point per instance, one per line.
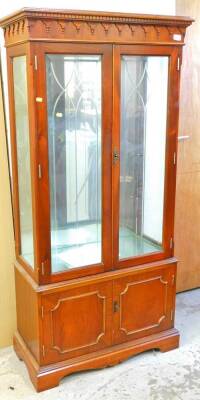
(152, 375)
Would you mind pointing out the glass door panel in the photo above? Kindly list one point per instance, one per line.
(74, 138)
(144, 84)
(23, 159)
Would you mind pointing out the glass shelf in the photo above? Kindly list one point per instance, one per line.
(76, 246)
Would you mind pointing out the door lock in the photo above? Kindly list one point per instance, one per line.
(115, 306)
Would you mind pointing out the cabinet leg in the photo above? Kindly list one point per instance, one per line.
(170, 344)
(17, 349)
(50, 381)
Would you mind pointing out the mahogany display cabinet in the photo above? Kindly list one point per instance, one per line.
(94, 102)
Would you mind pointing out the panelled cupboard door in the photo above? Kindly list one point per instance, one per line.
(76, 322)
(145, 121)
(143, 304)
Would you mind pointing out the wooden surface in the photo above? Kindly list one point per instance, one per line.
(77, 326)
(187, 222)
(77, 321)
(140, 295)
(80, 316)
(27, 313)
(112, 275)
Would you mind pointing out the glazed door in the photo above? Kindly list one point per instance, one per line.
(144, 151)
(107, 187)
(75, 113)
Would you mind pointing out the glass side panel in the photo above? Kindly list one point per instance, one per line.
(23, 158)
(144, 83)
(74, 136)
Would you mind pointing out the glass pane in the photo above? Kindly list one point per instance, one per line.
(144, 82)
(74, 136)
(23, 158)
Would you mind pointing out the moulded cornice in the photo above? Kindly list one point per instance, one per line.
(95, 16)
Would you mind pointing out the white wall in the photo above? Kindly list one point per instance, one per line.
(7, 286)
(135, 6)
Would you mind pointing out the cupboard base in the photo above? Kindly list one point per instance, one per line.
(49, 376)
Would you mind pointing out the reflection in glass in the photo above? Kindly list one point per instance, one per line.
(74, 136)
(144, 82)
(23, 158)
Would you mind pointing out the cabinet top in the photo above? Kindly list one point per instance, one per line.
(96, 16)
(48, 24)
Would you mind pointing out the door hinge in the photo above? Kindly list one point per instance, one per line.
(39, 171)
(35, 63)
(172, 315)
(174, 158)
(39, 99)
(171, 244)
(42, 268)
(43, 350)
(173, 280)
(178, 67)
(42, 312)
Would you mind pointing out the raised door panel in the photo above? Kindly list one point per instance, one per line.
(76, 321)
(144, 304)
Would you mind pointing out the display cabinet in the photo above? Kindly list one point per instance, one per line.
(94, 116)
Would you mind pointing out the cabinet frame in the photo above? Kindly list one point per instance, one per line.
(32, 32)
